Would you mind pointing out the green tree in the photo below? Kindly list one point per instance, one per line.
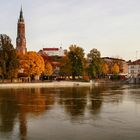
(65, 67)
(9, 62)
(94, 63)
(76, 58)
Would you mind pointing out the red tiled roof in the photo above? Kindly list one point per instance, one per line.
(50, 49)
(113, 58)
(137, 62)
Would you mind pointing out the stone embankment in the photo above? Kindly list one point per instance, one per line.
(45, 84)
(57, 84)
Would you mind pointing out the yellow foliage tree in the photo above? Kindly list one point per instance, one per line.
(105, 68)
(48, 69)
(32, 64)
(115, 69)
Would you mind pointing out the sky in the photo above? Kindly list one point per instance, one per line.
(111, 26)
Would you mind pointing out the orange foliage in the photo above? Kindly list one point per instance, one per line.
(32, 63)
(115, 69)
(105, 68)
(48, 69)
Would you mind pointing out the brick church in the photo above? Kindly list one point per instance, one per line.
(21, 40)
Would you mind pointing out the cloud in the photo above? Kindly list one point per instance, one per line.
(110, 26)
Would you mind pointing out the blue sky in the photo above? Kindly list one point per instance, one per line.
(111, 26)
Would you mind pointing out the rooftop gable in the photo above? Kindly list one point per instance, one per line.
(50, 49)
(137, 62)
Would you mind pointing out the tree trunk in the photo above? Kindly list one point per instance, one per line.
(2, 79)
(73, 76)
(11, 79)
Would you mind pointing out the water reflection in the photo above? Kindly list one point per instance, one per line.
(17, 103)
(8, 111)
(96, 99)
(28, 103)
(134, 94)
(74, 101)
(18, 106)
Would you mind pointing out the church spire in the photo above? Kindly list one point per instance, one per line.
(21, 39)
(21, 19)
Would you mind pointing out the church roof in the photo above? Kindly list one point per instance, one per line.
(21, 19)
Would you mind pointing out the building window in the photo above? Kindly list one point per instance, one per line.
(132, 71)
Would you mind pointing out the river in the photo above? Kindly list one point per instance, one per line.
(105, 112)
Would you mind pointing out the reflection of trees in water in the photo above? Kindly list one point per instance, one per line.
(8, 111)
(74, 100)
(31, 101)
(96, 99)
(22, 102)
(114, 94)
(104, 93)
(49, 98)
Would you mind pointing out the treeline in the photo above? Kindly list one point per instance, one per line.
(90, 66)
(74, 64)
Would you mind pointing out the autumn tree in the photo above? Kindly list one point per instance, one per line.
(115, 69)
(9, 62)
(119, 63)
(76, 57)
(0, 71)
(105, 68)
(85, 70)
(32, 64)
(94, 63)
(65, 67)
(48, 69)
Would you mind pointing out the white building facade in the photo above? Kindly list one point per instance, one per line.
(54, 51)
(134, 68)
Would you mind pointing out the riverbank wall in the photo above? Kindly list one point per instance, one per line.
(57, 84)
(45, 84)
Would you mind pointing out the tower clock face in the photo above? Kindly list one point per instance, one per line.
(18, 40)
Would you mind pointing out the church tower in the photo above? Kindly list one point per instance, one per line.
(21, 40)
